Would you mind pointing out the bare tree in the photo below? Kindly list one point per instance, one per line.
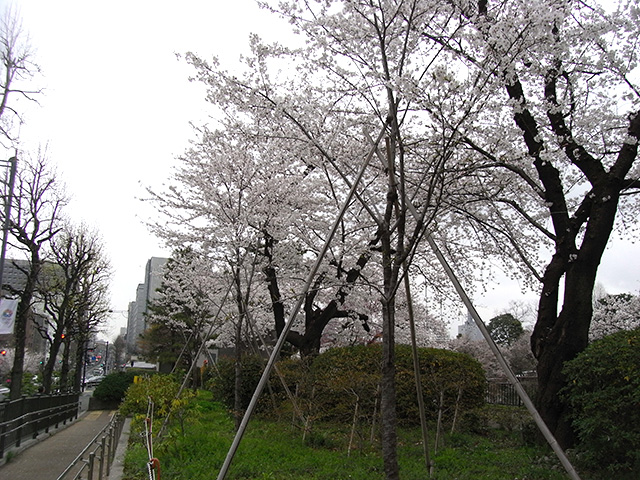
(34, 222)
(17, 66)
(93, 309)
(68, 289)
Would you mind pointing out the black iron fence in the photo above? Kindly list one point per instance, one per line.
(502, 392)
(27, 417)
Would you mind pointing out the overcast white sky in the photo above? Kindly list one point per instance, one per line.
(117, 107)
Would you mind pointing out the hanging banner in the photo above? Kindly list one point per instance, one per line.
(8, 308)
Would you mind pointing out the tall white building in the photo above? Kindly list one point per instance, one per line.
(145, 294)
(469, 330)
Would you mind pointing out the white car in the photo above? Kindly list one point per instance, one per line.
(93, 381)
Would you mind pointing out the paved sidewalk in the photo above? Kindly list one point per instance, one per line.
(48, 458)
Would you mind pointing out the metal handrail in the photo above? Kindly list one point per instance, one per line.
(104, 444)
(16, 424)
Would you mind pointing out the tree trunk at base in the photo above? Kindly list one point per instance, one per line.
(23, 316)
(50, 365)
(237, 389)
(558, 339)
(18, 362)
(64, 368)
(388, 393)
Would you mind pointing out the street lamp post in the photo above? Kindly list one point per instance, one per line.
(106, 359)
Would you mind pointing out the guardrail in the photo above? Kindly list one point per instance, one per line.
(94, 462)
(27, 417)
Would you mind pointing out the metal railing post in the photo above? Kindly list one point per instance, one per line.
(103, 444)
(3, 430)
(19, 429)
(110, 449)
(92, 456)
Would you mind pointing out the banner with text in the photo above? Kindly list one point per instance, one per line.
(8, 308)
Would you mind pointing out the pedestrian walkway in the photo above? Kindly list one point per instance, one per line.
(48, 458)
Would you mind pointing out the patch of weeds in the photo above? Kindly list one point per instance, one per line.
(317, 439)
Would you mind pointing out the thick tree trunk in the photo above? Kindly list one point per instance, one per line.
(64, 368)
(23, 316)
(316, 319)
(562, 342)
(50, 365)
(558, 338)
(20, 333)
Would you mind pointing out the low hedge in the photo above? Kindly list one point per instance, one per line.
(329, 385)
(343, 375)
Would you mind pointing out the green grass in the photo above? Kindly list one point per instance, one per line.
(275, 451)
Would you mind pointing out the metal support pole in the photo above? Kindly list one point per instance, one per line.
(503, 363)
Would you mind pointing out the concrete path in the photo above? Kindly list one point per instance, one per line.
(49, 457)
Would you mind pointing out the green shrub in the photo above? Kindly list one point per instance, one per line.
(160, 389)
(329, 385)
(604, 394)
(222, 385)
(343, 374)
(113, 387)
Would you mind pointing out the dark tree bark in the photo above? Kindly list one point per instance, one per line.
(560, 336)
(316, 318)
(23, 315)
(65, 366)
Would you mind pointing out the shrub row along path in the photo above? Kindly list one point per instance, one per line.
(48, 458)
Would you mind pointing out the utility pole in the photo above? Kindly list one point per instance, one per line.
(12, 165)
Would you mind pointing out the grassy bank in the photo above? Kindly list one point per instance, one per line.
(275, 450)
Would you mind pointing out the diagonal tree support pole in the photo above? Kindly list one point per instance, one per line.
(283, 335)
(503, 364)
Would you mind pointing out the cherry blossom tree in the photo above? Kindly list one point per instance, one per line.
(357, 89)
(181, 316)
(613, 313)
(357, 93)
(261, 213)
(480, 113)
(558, 145)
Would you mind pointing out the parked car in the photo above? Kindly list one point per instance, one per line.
(93, 381)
